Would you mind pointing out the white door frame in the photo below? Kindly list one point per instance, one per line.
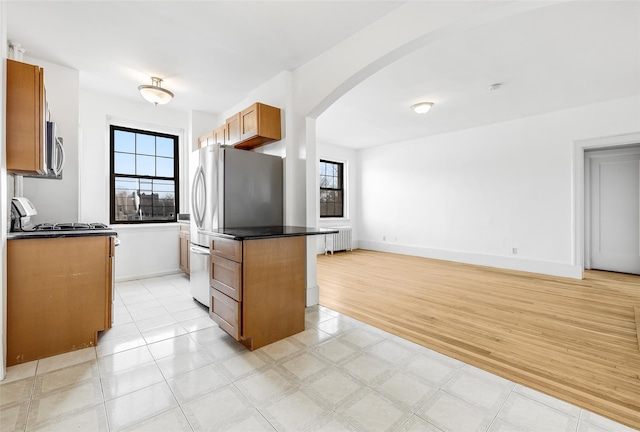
(580, 256)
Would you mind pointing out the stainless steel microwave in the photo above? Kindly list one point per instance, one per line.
(55, 151)
(54, 154)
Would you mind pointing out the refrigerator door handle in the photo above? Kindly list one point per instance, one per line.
(198, 182)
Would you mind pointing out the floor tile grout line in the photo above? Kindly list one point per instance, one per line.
(546, 404)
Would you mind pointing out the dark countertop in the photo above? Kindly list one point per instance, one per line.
(24, 235)
(269, 232)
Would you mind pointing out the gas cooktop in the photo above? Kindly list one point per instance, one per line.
(71, 226)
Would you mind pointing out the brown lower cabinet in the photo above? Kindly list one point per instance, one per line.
(59, 295)
(258, 288)
(184, 244)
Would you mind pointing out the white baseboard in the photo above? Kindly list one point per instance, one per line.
(126, 278)
(504, 262)
(313, 295)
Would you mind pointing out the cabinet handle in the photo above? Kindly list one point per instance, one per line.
(199, 251)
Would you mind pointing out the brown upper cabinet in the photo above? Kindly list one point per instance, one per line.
(252, 127)
(219, 135)
(206, 139)
(259, 125)
(26, 118)
(215, 136)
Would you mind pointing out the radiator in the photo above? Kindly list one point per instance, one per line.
(338, 242)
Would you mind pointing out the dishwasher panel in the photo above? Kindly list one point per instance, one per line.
(199, 274)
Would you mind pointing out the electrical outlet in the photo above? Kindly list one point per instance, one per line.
(514, 251)
(384, 238)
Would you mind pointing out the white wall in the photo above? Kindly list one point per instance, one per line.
(474, 194)
(349, 157)
(148, 250)
(57, 200)
(200, 124)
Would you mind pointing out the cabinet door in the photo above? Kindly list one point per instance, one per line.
(232, 126)
(226, 312)
(58, 295)
(109, 283)
(25, 118)
(219, 135)
(273, 285)
(184, 252)
(206, 140)
(187, 247)
(249, 122)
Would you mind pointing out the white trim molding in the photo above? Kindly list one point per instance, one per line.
(504, 262)
(313, 295)
(578, 209)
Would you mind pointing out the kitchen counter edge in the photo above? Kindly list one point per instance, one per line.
(25, 235)
(259, 233)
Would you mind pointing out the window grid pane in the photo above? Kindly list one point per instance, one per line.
(125, 141)
(145, 144)
(125, 163)
(144, 199)
(145, 165)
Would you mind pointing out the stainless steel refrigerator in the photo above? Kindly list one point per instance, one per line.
(230, 188)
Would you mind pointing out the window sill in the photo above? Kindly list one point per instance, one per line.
(333, 220)
(165, 226)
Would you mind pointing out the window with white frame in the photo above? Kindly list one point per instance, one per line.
(331, 189)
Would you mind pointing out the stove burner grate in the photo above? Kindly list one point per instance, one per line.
(70, 226)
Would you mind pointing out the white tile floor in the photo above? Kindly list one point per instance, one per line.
(165, 366)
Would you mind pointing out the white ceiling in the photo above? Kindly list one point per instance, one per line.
(211, 54)
(548, 59)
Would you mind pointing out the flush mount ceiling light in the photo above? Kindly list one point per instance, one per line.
(154, 93)
(422, 107)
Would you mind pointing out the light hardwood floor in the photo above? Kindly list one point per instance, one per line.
(576, 340)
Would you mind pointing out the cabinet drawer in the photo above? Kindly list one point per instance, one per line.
(226, 248)
(226, 313)
(226, 276)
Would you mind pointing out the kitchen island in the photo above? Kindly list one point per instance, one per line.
(258, 282)
(59, 291)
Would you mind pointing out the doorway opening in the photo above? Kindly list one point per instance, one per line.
(607, 203)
